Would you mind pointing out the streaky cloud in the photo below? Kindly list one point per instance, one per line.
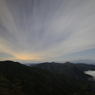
(44, 29)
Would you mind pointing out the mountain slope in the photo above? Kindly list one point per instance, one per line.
(85, 67)
(34, 80)
(67, 68)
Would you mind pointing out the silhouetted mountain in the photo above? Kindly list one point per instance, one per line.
(67, 68)
(85, 67)
(33, 81)
(87, 61)
(30, 64)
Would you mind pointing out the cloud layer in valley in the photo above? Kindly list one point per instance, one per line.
(92, 73)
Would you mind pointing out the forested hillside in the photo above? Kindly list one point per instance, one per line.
(69, 69)
(18, 79)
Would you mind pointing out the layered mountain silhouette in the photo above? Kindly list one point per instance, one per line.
(85, 67)
(42, 79)
(70, 69)
(33, 81)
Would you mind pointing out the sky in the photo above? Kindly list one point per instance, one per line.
(47, 30)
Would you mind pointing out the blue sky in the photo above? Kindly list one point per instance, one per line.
(47, 30)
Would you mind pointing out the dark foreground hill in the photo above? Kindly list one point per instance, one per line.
(18, 79)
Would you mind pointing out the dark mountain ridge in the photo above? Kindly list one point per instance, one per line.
(69, 69)
(33, 80)
(86, 67)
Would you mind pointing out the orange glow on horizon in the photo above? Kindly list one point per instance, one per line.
(27, 57)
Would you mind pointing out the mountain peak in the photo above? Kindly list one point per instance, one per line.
(69, 63)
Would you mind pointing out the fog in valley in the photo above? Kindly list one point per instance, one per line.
(92, 73)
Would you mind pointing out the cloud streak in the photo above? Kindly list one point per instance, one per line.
(43, 29)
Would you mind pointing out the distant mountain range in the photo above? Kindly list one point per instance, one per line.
(70, 69)
(87, 61)
(30, 64)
